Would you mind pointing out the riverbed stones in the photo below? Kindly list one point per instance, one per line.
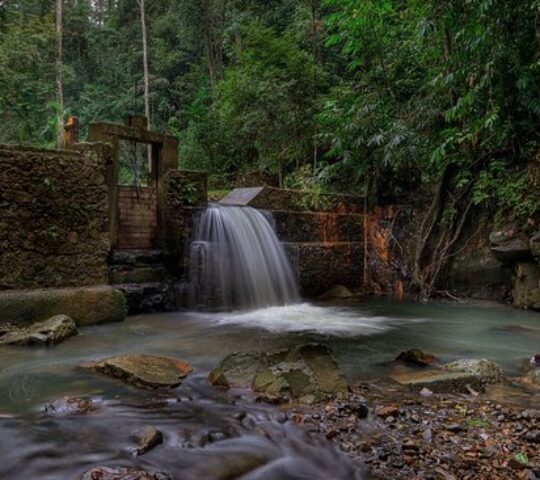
(307, 371)
(144, 371)
(48, 332)
(417, 357)
(461, 376)
(146, 438)
(122, 473)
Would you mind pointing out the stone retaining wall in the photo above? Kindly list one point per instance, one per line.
(53, 218)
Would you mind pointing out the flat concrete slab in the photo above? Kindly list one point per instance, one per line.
(241, 196)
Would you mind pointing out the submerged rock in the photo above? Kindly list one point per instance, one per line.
(69, 406)
(415, 356)
(533, 377)
(309, 371)
(460, 376)
(48, 332)
(337, 292)
(122, 473)
(146, 438)
(144, 371)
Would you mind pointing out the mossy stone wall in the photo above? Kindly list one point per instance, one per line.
(53, 217)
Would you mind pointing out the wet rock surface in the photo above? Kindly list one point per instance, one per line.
(417, 357)
(441, 437)
(48, 332)
(307, 371)
(64, 407)
(146, 438)
(144, 371)
(461, 376)
(122, 473)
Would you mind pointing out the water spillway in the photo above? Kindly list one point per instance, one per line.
(237, 261)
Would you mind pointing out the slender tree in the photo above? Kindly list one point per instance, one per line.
(145, 61)
(60, 137)
(213, 16)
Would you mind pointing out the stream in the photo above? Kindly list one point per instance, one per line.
(210, 433)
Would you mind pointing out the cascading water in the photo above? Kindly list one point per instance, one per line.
(237, 261)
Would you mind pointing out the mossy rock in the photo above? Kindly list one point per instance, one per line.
(296, 372)
(48, 332)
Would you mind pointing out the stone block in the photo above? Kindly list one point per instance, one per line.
(86, 305)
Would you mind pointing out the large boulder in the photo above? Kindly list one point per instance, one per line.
(144, 371)
(48, 332)
(298, 372)
(509, 246)
(122, 473)
(457, 377)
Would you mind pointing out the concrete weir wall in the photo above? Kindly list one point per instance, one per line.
(324, 236)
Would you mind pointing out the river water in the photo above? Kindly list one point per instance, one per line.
(212, 434)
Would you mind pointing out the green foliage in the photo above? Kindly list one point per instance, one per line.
(433, 83)
(521, 458)
(189, 193)
(362, 96)
(26, 78)
(477, 422)
(507, 191)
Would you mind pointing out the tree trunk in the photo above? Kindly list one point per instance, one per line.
(145, 62)
(314, 4)
(146, 79)
(213, 15)
(60, 137)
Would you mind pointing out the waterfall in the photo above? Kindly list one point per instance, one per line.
(237, 261)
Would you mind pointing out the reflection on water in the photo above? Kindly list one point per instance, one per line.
(366, 337)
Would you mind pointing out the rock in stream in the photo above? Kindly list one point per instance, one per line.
(144, 371)
(306, 371)
(48, 332)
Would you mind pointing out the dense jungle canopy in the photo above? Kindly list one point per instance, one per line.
(342, 95)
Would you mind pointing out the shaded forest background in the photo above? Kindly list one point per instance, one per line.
(384, 97)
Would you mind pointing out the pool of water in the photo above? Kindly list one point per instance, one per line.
(366, 337)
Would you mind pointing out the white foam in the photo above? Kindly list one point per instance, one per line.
(306, 317)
